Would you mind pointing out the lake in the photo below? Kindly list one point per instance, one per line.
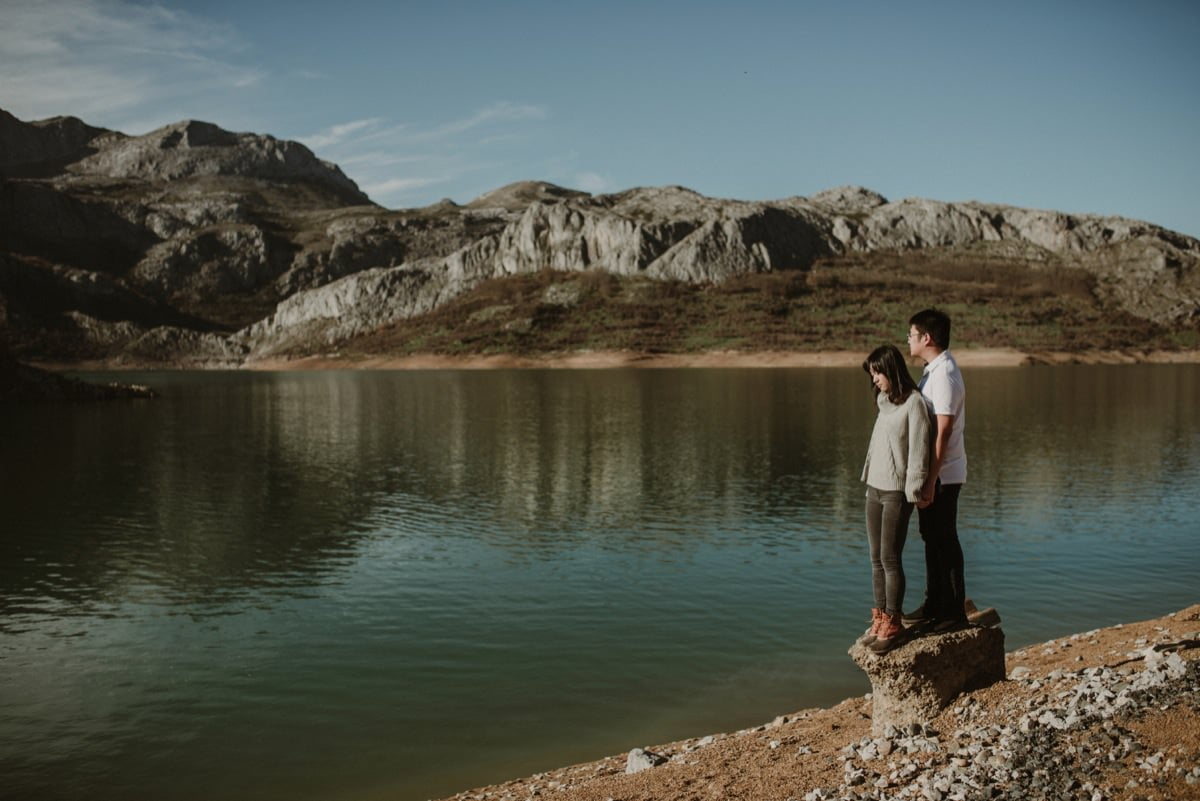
(368, 585)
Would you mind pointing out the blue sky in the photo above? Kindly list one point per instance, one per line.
(1089, 107)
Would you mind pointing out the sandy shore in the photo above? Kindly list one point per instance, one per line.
(798, 753)
(600, 360)
(968, 357)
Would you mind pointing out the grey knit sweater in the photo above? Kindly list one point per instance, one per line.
(901, 446)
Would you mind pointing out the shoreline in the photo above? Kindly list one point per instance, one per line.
(1143, 745)
(607, 360)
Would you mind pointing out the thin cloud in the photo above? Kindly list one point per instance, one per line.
(498, 112)
(103, 59)
(378, 160)
(248, 79)
(396, 186)
(382, 156)
(338, 133)
(347, 141)
(70, 90)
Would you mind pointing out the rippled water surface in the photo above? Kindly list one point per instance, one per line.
(343, 585)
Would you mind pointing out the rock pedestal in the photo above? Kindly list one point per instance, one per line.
(914, 682)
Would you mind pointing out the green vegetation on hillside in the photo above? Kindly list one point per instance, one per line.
(847, 303)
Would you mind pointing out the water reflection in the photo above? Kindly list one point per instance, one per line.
(237, 481)
(1082, 439)
(346, 574)
(550, 451)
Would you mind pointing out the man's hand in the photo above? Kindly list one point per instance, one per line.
(945, 422)
(927, 493)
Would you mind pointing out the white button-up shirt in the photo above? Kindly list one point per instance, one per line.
(942, 385)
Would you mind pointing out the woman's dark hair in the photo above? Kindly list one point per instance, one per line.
(887, 361)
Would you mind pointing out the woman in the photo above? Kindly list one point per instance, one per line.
(895, 470)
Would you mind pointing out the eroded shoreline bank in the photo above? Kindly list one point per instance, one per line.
(1111, 714)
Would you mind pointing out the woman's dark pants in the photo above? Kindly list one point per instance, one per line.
(887, 528)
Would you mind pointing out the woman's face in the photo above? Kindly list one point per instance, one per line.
(881, 383)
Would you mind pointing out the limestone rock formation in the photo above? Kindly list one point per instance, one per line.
(240, 245)
(567, 237)
(44, 147)
(183, 347)
(848, 199)
(224, 260)
(194, 148)
(914, 682)
(517, 196)
(754, 239)
(189, 226)
(366, 300)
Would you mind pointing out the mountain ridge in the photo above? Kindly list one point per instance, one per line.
(192, 244)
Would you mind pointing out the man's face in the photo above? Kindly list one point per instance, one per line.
(916, 341)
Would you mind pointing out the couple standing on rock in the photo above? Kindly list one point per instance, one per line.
(916, 458)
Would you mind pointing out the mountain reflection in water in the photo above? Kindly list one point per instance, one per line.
(337, 584)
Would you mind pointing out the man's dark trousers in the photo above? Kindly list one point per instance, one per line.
(945, 591)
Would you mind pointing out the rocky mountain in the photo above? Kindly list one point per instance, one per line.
(196, 245)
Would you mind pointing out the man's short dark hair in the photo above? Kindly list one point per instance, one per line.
(934, 322)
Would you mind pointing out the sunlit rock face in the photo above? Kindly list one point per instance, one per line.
(194, 148)
(676, 234)
(241, 245)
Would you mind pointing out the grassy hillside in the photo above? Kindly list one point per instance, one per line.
(853, 302)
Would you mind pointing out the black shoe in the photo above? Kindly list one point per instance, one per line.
(915, 616)
(947, 625)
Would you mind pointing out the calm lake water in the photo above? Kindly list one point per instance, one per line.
(344, 585)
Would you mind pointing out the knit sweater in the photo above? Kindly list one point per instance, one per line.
(901, 446)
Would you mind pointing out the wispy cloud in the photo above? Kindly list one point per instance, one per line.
(103, 59)
(395, 162)
(397, 185)
(338, 133)
(498, 112)
(378, 160)
(492, 117)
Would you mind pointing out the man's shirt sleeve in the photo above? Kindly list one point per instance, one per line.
(941, 393)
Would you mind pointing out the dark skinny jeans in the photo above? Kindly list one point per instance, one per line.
(888, 513)
(945, 590)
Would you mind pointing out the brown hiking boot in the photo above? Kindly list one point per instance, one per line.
(868, 636)
(888, 634)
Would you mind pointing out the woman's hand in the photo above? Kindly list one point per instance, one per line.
(927, 493)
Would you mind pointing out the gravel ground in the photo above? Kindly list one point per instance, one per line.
(1106, 715)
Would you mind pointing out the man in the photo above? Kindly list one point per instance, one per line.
(943, 388)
